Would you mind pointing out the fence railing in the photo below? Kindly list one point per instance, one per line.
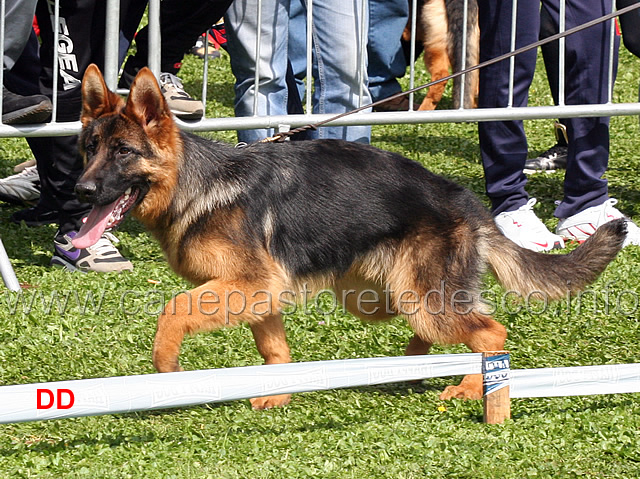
(124, 394)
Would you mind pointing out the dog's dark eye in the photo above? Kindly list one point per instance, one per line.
(90, 148)
(124, 150)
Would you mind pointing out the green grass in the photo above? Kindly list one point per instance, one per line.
(392, 431)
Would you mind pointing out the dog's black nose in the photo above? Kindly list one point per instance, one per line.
(85, 190)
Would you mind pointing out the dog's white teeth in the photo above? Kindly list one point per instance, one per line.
(128, 192)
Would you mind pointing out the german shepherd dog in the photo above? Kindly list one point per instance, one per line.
(247, 224)
(441, 27)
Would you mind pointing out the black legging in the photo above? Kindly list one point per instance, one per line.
(82, 32)
(181, 23)
(630, 26)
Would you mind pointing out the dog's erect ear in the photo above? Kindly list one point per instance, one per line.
(146, 102)
(97, 99)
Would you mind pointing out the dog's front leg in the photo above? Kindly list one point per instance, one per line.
(213, 305)
(269, 335)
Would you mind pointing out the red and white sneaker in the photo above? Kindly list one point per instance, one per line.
(525, 229)
(582, 225)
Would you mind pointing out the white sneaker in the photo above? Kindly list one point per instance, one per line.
(525, 229)
(582, 225)
(21, 188)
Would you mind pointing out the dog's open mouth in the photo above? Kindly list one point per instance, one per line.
(104, 217)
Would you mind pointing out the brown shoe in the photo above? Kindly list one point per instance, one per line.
(397, 104)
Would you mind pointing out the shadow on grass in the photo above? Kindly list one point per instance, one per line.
(454, 146)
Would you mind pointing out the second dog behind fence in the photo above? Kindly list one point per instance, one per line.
(449, 44)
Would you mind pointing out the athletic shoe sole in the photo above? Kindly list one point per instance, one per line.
(39, 113)
(17, 201)
(528, 171)
(60, 262)
(34, 220)
(187, 116)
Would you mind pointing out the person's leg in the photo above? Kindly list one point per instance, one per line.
(23, 80)
(297, 63)
(181, 23)
(80, 28)
(242, 28)
(555, 157)
(18, 21)
(503, 144)
(586, 204)
(297, 44)
(587, 82)
(387, 21)
(630, 26)
(338, 77)
(21, 99)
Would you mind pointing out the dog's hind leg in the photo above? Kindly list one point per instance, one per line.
(480, 333)
(452, 315)
(417, 346)
(436, 57)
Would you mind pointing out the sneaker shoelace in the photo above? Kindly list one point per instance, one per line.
(30, 172)
(526, 217)
(171, 82)
(105, 244)
(524, 211)
(552, 153)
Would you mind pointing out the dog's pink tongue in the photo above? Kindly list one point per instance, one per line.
(92, 229)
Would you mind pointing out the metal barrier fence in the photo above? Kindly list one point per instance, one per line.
(412, 117)
(125, 394)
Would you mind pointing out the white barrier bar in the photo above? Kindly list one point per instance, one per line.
(92, 397)
(379, 118)
(89, 397)
(575, 381)
(6, 271)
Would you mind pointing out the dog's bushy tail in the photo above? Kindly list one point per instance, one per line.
(527, 272)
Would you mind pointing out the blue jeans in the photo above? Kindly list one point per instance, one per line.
(337, 54)
(387, 20)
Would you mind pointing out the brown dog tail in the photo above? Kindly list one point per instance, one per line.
(528, 272)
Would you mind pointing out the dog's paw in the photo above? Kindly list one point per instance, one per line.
(460, 392)
(167, 366)
(267, 402)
